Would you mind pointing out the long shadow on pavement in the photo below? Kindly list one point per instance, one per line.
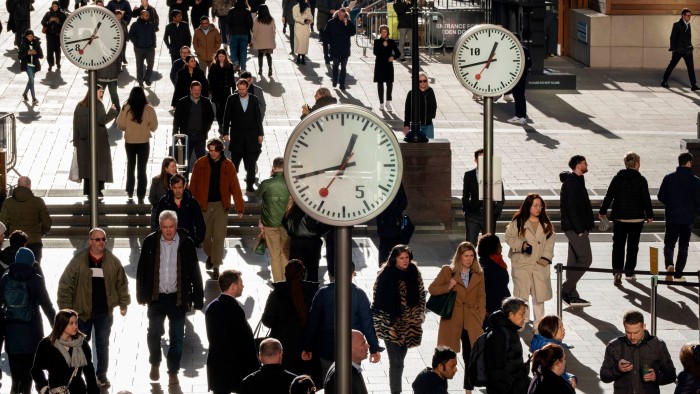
(665, 309)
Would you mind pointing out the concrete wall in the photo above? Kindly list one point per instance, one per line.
(625, 41)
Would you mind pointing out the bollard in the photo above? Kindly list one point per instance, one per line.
(559, 269)
(654, 260)
(654, 290)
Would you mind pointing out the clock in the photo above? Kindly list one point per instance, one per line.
(488, 60)
(343, 165)
(92, 38)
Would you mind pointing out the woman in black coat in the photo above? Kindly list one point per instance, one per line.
(386, 51)
(191, 72)
(548, 364)
(30, 55)
(221, 79)
(286, 314)
(52, 23)
(495, 273)
(65, 367)
(427, 108)
(22, 337)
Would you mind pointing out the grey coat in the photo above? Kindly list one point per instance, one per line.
(81, 132)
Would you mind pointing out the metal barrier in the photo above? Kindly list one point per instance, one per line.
(180, 144)
(8, 139)
(653, 292)
(367, 24)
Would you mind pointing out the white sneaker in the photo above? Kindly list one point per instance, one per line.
(514, 119)
(381, 106)
(681, 279)
(388, 106)
(508, 98)
(522, 121)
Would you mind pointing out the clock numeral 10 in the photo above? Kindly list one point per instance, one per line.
(474, 51)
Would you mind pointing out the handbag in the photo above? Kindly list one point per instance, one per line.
(406, 228)
(256, 335)
(74, 173)
(604, 224)
(442, 304)
(64, 389)
(260, 245)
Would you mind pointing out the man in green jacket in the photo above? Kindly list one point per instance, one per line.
(93, 284)
(27, 212)
(275, 198)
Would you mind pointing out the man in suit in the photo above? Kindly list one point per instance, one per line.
(194, 116)
(473, 207)
(243, 126)
(232, 354)
(681, 48)
(359, 352)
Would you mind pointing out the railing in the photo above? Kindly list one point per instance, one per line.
(653, 292)
(8, 139)
(367, 24)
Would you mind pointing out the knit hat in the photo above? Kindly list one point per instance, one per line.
(3, 229)
(24, 256)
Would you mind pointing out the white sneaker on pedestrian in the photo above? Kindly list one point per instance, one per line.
(508, 98)
(522, 121)
(681, 279)
(381, 106)
(388, 106)
(514, 119)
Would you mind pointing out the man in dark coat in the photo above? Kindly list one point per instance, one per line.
(189, 212)
(142, 35)
(681, 48)
(576, 222)
(271, 377)
(506, 371)
(680, 193)
(194, 116)
(232, 355)
(473, 206)
(326, 9)
(434, 380)
(177, 34)
(179, 5)
(20, 15)
(243, 126)
(168, 280)
(337, 35)
(359, 352)
(405, 26)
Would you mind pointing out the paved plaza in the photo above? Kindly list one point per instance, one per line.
(611, 112)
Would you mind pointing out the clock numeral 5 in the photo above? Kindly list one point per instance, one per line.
(359, 191)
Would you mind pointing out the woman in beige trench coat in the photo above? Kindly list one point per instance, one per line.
(466, 277)
(302, 29)
(530, 237)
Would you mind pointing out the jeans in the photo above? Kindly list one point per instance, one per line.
(30, 81)
(102, 322)
(149, 55)
(580, 255)
(675, 58)
(53, 49)
(625, 232)
(405, 35)
(680, 233)
(428, 130)
(380, 90)
(238, 45)
(339, 77)
(397, 353)
(157, 312)
(134, 153)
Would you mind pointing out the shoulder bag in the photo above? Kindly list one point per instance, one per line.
(442, 304)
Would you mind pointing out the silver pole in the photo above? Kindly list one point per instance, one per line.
(560, 269)
(92, 87)
(343, 278)
(654, 290)
(488, 165)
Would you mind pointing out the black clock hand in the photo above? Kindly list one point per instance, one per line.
(92, 37)
(321, 171)
(80, 40)
(477, 63)
(348, 154)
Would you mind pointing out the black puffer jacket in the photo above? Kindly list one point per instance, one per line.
(576, 210)
(629, 194)
(507, 373)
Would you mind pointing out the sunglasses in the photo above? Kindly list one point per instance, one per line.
(423, 80)
(98, 239)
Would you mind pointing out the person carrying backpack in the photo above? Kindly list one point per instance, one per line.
(22, 292)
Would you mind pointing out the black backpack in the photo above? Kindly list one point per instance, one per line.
(477, 361)
(17, 306)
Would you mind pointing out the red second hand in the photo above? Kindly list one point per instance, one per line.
(478, 76)
(324, 190)
(82, 51)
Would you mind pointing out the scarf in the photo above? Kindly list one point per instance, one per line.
(498, 259)
(77, 359)
(388, 297)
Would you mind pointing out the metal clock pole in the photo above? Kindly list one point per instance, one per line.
(343, 336)
(92, 89)
(488, 165)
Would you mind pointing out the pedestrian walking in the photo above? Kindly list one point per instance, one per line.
(496, 276)
(177, 33)
(219, 14)
(631, 208)
(551, 330)
(398, 310)
(337, 34)
(108, 76)
(256, 91)
(548, 366)
(20, 17)
(359, 349)
(427, 108)
(301, 12)
(326, 10)
(138, 121)
(179, 5)
(305, 234)
(189, 213)
(66, 356)
(240, 23)
(142, 35)
(153, 13)
(221, 81)
(681, 48)
(385, 52)
(288, 21)
(160, 184)
(576, 222)
(206, 41)
(200, 8)
(30, 55)
(23, 326)
(680, 193)
(473, 205)
(460, 331)
(179, 64)
(530, 237)
(434, 380)
(272, 377)
(190, 73)
(506, 372)
(264, 32)
(518, 91)
(52, 23)
(81, 141)
(193, 116)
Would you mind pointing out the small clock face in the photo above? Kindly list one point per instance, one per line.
(91, 37)
(488, 60)
(343, 165)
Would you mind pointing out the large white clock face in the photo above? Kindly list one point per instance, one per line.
(91, 37)
(343, 165)
(488, 60)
